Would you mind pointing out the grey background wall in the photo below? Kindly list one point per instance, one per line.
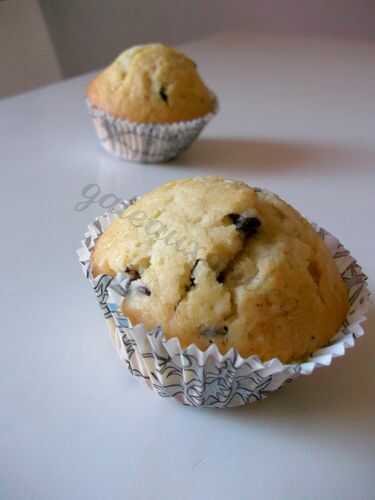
(42, 41)
(87, 34)
(27, 56)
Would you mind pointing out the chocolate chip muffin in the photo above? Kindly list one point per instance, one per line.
(151, 84)
(212, 260)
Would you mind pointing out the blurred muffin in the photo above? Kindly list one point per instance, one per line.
(155, 85)
(215, 261)
(151, 84)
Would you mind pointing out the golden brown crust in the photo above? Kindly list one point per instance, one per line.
(151, 84)
(210, 272)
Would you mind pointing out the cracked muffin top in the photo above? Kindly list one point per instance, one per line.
(151, 84)
(212, 260)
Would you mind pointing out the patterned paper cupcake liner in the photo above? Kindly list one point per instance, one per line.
(146, 142)
(209, 378)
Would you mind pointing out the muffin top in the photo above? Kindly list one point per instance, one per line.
(212, 260)
(151, 84)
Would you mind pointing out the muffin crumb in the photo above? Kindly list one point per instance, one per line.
(263, 284)
(151, 84)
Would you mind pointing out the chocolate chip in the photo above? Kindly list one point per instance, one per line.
(143, 289)
(220, 277)
(247, 225)
(211, 331)
(192, 279)
(163, 94)
(133, 273)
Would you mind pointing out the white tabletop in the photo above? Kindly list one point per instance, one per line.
(298, 117)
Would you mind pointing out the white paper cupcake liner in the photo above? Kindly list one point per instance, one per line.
(209, 378)
(146, 142)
